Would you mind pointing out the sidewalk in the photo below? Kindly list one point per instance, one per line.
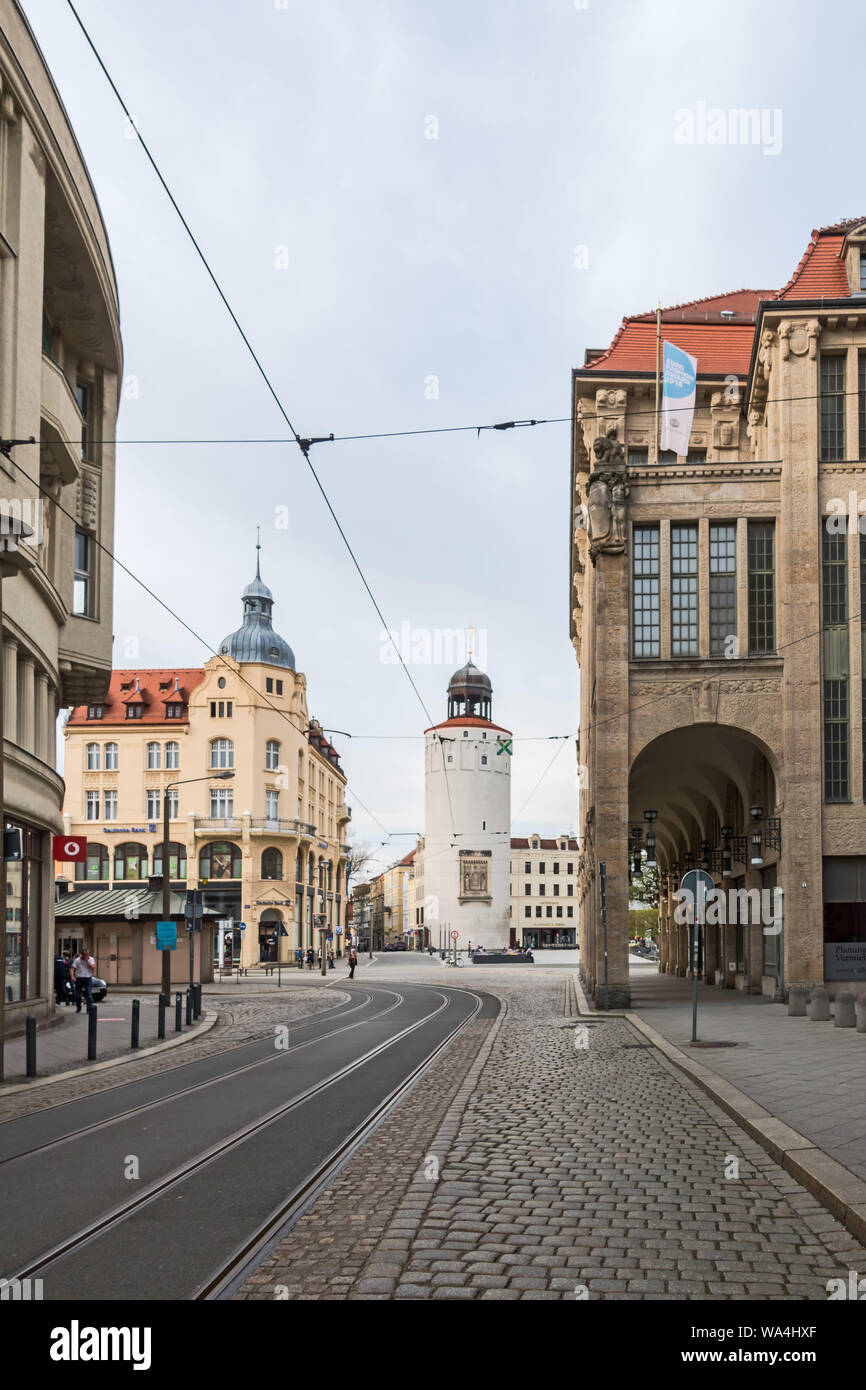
(808, 1075)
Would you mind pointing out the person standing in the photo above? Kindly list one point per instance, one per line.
(353, 961)
(61, 979)
(83, 969)
(311, 958)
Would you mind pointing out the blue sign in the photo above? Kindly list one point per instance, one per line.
(166, 936)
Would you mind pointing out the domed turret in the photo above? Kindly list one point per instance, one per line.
(470, 692)
(255, 639)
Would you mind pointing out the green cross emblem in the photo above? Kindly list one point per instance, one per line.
(504, 746)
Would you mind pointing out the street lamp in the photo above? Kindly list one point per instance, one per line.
(166, 876)
(650, 817)
(757, 814)
(727, 866)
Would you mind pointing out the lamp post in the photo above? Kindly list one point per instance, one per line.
(757, 814)
(166, 876)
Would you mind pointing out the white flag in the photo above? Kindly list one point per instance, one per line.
(678, 398)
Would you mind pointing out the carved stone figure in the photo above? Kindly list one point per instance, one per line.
(606, 496)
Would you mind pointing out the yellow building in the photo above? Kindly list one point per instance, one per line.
(266, 844)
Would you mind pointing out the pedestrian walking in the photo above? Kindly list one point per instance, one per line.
(353, 961)
(83, 970)
(311, 958)
(61, 979)
(331, 959)
(299, 957)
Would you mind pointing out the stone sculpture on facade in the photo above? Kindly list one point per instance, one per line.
(606, 496)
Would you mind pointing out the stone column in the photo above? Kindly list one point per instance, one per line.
(27, 710)
(40, 740)
(10, 689)
(754, 936)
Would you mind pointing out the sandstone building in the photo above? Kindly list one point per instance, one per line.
(716, 612)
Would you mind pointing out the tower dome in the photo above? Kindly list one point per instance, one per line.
(470, 692)
(255, 639)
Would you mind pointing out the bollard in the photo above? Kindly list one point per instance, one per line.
(91, 1032)
(30, 1024)
(196, 1007)
(178, 1014)
(160, 1026)
(861, 1013)
(844, 1012)
(136, 1020)
(189, 1008)
(819, 1008)
(797, 1001)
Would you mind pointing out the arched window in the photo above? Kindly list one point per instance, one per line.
(222, 752)
(154, 756)
(96, 868)
(111, 757)
(221, 859)
(172, 755)
(130, 861)
(176, 860)
(272, 755)
(272, 864)
(93, 757)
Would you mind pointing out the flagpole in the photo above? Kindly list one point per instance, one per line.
(658, 371)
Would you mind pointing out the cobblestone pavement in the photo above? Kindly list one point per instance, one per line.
(238, 1021)
(564, 1172)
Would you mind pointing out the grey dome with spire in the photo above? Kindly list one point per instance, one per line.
(255, 639)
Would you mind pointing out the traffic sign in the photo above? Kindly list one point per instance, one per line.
(699, 884)
(454, 935)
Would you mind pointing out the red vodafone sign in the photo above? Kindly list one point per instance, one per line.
(68, 849)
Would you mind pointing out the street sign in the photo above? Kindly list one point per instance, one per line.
(698, 884)
(68, 849)
(242, 926)
(166, 936)
(454, 935)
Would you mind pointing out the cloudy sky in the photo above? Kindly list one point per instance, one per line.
(422, 215)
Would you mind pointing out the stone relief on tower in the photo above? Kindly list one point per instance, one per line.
(605, 511)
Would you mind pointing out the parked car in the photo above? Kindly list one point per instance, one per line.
(400, 946)
(99, 989)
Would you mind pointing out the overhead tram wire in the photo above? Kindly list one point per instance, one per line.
(303, 444)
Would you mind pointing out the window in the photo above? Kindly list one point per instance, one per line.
(559, 912)
(176, 860)
(483, 759)
(154, 756)
(527, 866)
(527, 912)
(696, 456)
(569, 912)
(762, 605)
(110, 806)
(723, 588)
(174, 711)
(222, 803)
(569, 892)
(465, 733)
(272, 805)
(172, 756)
(95, 866)
(272, 755)
(82, 396)
(172, 803)
(111, 757)
(221, 859)
(538, 911)
(222, 753)
(269, 685)
(220, 709)
(82, 582)
(527, 885)
(154, 804)
(638, 458)
(834, 577)
(47, 336)
(279, 687)
(571, 868)
(684, 590)
(93, 757)
(667, 456)
(272, 864)
(95, 711)
(542, 888)
(832, 408)
(130, 861)
(836, 740)
(92, 802)
(556, 890)
(134, 711)
(548, 912)
(556, 868)
(645, 591)
(542, 867)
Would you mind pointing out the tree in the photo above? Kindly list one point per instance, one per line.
(360, 855)
(644, 886)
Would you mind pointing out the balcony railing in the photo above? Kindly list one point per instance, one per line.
(285, 827)
(232, 823)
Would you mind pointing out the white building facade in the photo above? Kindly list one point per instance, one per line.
(467, 819)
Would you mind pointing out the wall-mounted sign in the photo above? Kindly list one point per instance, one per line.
(166, 936)
(845, 960)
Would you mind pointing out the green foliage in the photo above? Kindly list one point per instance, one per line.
(643, 921)
(644, 887)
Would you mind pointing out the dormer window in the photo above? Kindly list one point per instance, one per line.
(95, 711)
(174, 711)
(134, 711)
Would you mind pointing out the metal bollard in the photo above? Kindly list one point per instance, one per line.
(178, 1012)
(189, 1008)
(160, 1026)
(91, 1032)
(30, 1024)
(196, 1001)
(136, 1021)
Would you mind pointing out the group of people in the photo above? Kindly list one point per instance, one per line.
(313, 959)
(73, 979)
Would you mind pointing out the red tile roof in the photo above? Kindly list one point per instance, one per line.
(466, 720)
(150, 696)
(407, 859)
(821, 272)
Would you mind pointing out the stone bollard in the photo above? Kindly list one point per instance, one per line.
(844, 1014)
(797, 1001)
(819, 1009)
(861, 1013)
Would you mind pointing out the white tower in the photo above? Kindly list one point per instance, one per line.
(467, 835)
